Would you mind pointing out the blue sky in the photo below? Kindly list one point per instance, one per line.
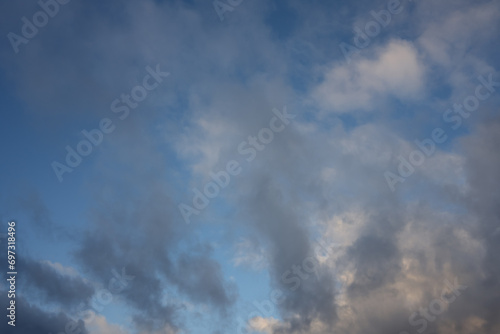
(244, 166)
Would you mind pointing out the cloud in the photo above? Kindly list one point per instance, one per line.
(143, 213)
(321, 178)
(201, 278)
(395, 71)
(263, 325)
(99, 325)
(448, 40)
(55, 283)
(250, 254)
(33, 319)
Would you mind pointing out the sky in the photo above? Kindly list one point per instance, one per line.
(250, 166)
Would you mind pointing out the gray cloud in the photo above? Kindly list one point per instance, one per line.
(33, 319)
(55, 286)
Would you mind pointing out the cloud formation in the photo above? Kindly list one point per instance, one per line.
(309, 231)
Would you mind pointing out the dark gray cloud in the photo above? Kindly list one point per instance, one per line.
(33, 319)
(200, 277)
(66, 289)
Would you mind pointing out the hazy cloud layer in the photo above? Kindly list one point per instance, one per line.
(310, 216)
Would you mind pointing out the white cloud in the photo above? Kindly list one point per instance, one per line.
(63, 270)
(395, 72)
(99, 325)
(263, 325)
